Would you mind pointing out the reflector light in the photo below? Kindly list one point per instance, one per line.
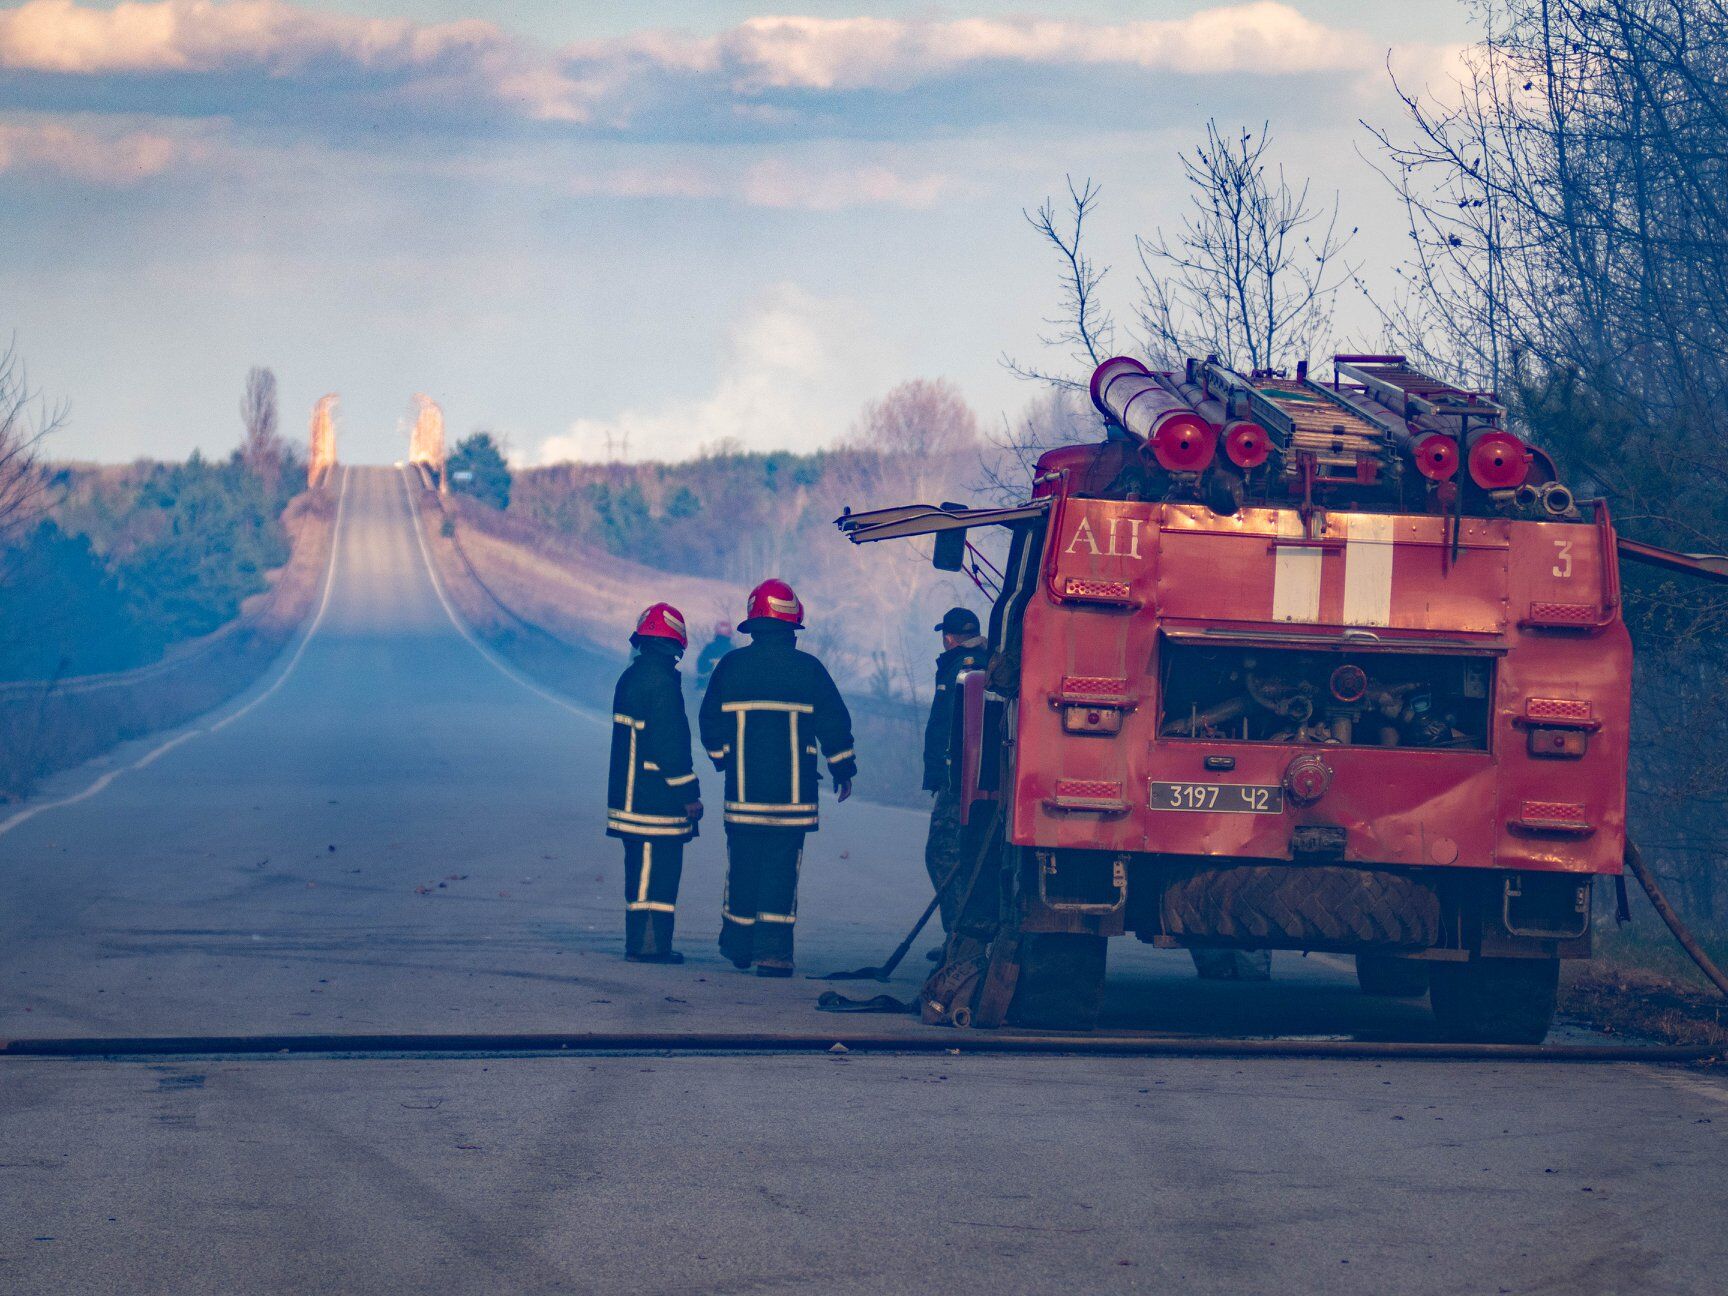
(1349, 683)
(1184, 445)
(1498, 461)
(1436, 456)
(1246, 444)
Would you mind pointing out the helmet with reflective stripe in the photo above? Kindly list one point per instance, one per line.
(773, 600)
(663, 621)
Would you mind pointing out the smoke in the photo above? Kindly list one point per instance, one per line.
(796, 369)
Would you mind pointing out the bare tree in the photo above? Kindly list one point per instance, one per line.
(24, 422)
(1253, 273)
(262, 449)
(918, 444)
(1570, 248)
(1084, 329)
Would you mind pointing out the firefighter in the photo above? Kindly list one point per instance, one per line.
(710, 656)
(963, 648)
(769, 708)
(652, 799)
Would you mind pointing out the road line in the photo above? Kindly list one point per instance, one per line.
(162, 749)
(456, 620)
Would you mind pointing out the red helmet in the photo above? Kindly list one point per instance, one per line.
(663, 621)
(774, 600)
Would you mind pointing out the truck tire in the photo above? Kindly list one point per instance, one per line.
(1393, 978)
(1061, 983)
(1496, 1001)
(1316, 906)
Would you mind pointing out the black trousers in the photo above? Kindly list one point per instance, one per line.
(760, 904)
(943, 853)
(653, 867)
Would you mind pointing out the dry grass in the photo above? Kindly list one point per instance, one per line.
(59, 726)
(575, 592)
(564, 614)
(1619, 999)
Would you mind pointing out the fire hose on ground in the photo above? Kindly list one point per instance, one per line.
(1688, 942)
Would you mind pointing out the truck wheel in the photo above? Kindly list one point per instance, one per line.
(1496, 1001)
(1061, 984)
(1394, 978)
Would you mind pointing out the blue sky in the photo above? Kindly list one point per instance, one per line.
(575, 223)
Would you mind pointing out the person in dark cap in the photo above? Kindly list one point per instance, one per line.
(963, 648)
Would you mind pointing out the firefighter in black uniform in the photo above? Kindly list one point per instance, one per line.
(652, 800)
(768, 710)
(710, 656)
(963, 649)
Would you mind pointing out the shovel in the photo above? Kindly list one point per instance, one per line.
(887, 969)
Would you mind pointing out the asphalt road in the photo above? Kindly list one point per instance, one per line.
(393, 832)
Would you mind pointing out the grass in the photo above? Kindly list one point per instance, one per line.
(56, 729)
(564, 613)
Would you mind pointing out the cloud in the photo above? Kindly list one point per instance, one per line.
(114, 160)
(303, 69)
(277, 40)
(894, 54)
(790, 379)
(776, 181)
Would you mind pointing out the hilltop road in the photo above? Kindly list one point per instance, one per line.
(395, 832)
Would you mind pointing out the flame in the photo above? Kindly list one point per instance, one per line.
(322, 459)
(426, 440)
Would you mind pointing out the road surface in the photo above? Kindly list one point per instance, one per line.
(395, 833)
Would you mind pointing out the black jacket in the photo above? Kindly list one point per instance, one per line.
(974, 654)
(768, 708)
(651, 778)
(710, 657)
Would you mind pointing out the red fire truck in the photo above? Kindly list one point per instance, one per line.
(1294, 664)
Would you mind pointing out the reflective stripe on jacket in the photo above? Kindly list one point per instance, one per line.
(651, 778)
(769, 711)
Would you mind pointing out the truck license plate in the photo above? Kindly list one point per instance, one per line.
(1218, 798)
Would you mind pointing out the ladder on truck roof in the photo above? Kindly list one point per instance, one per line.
(1344, 442)
(1412, 394)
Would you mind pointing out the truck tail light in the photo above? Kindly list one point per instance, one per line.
(1498, 460)
(1092, 704)
(1558, 744)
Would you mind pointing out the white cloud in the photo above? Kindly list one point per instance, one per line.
(878, 53)
(796, 369)
(280, 40)
(110, 159)
(780, 182)
(719, 81)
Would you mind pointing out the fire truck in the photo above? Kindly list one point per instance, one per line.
(1292, 664)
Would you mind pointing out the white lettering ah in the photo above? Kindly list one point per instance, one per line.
(1083, 532)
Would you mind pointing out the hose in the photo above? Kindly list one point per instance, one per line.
(946, 1043)
(1688, 942)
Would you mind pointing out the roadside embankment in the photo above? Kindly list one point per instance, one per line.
(563, 614)
(48, 725)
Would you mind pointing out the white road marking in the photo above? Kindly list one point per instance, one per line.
(1693, 1082)
(462, 629)
(29, 812)
(1368, 570)
(1295, 574)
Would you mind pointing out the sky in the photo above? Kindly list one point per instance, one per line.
(619, 229)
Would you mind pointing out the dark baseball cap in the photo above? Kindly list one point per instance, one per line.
(958, 620)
